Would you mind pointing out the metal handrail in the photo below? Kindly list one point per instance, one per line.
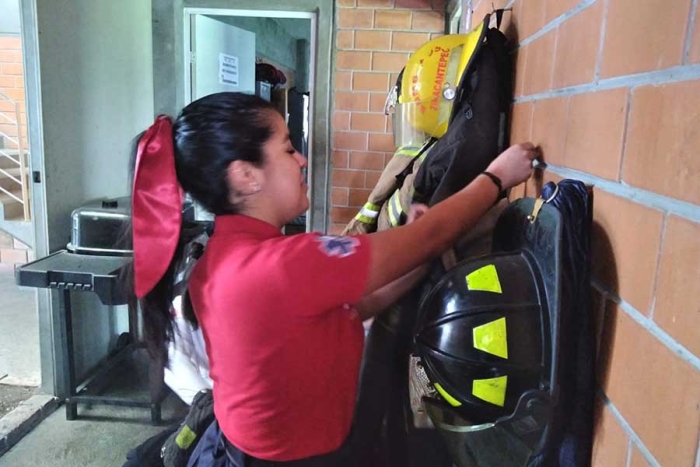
(4, 115)
(21, 159)
(10, 176)
(11, 195)
(6, 155)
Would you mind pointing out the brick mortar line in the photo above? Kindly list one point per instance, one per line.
(628, 463)
(376, 29)
(532, 119)
(625, 129)
(389, 8)
(675, 74)
(356, 170)
(690, 29)
(566, 128)
(659, 254)
(634, 437)
(554, 59)
(669, 75)
(638, 195)
(381, 51)
(368, 132)
(557, 21)
(369, 151)
(662, 336)
(603, 30)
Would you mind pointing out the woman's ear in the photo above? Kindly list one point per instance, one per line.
(242, 178)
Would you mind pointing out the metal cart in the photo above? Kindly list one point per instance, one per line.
(68, 273)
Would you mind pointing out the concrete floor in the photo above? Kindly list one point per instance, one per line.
(100, 437)
(19, 332)
(11, 396)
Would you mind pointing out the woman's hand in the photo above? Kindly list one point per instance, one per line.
(402, 249)
(514, 165)
(415, 212)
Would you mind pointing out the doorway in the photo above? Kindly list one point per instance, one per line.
(19, 345)
(266, 53)
(170, 65)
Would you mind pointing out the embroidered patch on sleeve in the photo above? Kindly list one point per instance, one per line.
(338, 246)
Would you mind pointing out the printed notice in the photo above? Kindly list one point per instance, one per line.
(228, 69)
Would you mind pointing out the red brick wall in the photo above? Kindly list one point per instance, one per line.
(611, 91)
(12, 85)
(373, 41)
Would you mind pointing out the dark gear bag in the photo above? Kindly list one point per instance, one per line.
(570, 441)
(476, 135)
(179, 446)
(478, 127)
(148, 453)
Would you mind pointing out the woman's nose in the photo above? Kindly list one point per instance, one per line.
(301, 160)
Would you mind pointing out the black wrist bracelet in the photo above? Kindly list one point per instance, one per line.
(496, 181)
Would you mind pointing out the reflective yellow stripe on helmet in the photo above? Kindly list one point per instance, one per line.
(491, 390)
(484, 279)
(492, 338)
(445, 395)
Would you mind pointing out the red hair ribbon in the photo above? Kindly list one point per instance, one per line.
(156, 206)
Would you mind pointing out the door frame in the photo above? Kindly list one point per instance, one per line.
(169, 72)
(53, 360)
(458, 12)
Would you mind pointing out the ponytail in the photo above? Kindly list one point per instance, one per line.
(191, 154)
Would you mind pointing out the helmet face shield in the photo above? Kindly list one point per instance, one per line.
(406, 133)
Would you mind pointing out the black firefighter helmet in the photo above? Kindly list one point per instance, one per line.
(487, 339)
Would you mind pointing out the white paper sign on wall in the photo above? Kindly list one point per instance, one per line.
(228, 69)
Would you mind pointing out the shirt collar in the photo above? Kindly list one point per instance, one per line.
(237, 223)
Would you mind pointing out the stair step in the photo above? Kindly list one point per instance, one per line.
(9, 185)
(11, 151)
(12, 209)
(15, 172)
(5, 163)
(17, 228)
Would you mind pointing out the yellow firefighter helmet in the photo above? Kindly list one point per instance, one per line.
(422, 100)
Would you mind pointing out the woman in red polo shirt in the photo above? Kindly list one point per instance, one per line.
(281, 316)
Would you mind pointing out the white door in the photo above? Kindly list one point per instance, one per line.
(224, 57)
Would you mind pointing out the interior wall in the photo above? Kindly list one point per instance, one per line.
(271, 40)
(9, 19)
(96, 87)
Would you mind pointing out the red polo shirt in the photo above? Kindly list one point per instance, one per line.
(283, 340)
